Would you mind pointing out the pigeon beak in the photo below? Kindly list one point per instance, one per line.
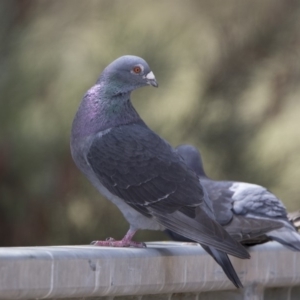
(151, 79)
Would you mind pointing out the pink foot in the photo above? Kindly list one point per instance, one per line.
(125, 242)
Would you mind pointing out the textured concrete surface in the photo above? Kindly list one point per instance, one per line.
(163, 270)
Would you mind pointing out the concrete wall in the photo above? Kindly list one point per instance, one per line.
(164, 270)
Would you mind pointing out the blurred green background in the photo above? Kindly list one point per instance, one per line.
(229, 74)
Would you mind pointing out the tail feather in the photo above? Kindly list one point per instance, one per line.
(207, 232)
(223, 260)
(220, 257)
(287, 236)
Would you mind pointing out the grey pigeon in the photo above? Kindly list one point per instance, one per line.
(137, 170)
(249, 212)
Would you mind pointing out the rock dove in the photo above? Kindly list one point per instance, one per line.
(249, 212)
(136, 169)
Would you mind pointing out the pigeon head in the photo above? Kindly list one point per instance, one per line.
(192, 158)
(126, 74)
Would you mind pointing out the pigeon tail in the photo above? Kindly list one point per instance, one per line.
(223, 260)
(210, 234)
(220, 257)
(287, 237)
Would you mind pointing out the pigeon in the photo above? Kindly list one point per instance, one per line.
(137, 170)
(249, 212)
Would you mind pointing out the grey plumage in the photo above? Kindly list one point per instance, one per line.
(249, 212)
(136, 169)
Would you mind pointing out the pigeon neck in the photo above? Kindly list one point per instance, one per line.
(97, 112)
(113, 87)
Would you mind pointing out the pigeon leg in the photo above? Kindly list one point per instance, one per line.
(125, 242)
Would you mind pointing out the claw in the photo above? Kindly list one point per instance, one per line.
(125, 242)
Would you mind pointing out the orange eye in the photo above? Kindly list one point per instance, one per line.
(137, 70)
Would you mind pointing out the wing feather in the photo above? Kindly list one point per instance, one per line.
(135, 164)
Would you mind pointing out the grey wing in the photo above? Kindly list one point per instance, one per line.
(220, 195)
(262, 204)
(246, 229)
(135, 164)
(239, 211)
(255, 200)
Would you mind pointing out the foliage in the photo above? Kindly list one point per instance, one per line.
(228, 75)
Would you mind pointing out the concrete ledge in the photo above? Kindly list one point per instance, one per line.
(162, 268)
